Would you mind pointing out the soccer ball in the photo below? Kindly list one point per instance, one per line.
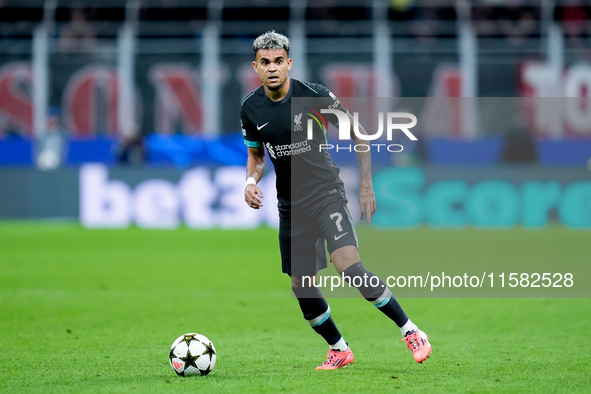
(192, 354)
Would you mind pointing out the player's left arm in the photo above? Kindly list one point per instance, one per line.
(367, 197)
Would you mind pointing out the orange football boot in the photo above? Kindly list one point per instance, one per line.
(336, 359)
(418, 342)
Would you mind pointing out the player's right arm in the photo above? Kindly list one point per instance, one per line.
(255, 163)
(255, 168)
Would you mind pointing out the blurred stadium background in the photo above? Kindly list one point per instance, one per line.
(126, 112)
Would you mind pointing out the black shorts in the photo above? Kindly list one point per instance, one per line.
(303, 236)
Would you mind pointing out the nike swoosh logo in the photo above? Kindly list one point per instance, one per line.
(260, 127)
(340, 236)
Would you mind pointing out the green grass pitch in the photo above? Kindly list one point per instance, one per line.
(97, 310)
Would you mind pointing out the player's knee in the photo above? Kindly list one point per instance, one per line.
(344, 257)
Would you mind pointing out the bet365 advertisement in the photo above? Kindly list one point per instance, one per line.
(204, 197)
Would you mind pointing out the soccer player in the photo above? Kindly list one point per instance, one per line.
(311, 199)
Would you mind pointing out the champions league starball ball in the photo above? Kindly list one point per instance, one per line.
(192, 354)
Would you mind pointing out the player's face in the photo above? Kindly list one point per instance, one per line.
(272, 65)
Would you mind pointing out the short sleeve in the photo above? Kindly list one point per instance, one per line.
(250, 134)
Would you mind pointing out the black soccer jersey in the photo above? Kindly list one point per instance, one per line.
(305, 173)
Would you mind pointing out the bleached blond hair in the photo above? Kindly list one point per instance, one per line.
(271, 40)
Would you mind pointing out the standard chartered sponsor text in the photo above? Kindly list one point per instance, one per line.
(294, 148)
